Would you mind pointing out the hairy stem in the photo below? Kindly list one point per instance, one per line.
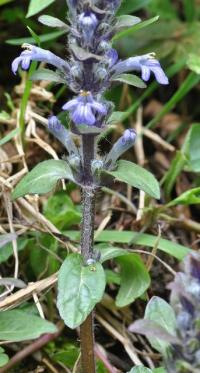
(87, 238)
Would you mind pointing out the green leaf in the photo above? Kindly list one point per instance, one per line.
(52, 22)
(125, 21)
(137, 177)
(36, 6)
(80, 288)
(140, 369)
(15, 326)
(3, 2)
(111, 252)
(3, 357)
(7, 251)
(162, 313)
(34, 36)
(141, 239)
(135, 28)
(9, 136)
(116, 117)
(135, 279)
(49, 75)
(190, 197)
(194, 147)
(43, 38)
(194, 63)
(159, 370)
(61, 211)
(6, 238)
(131, 6)
(174, 171)
(43, 178)
(130, 79)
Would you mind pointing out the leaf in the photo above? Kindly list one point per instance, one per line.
(111, 252)
(34, 36)
(61, 211)
(52, 22)
(43, 38)
(116, 117)
(131, 6)
(125, 21)
(190, 197)
(194, 63)
(141, 239)
(6, 238)
(12, 281)
(3, 358)
(194, 147)
(80, 288)
(140, 369)
(46, 74)
(162, 313)
(3, 2)
(43, 178)
(15, 326)
(174, 171)
(135, 279)
(36, 6)
(7, 250)
(9, 136)
(152, 330)
(137, 177)
(130, 79)
(135, 28)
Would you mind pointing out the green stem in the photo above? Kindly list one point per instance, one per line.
(25, 99)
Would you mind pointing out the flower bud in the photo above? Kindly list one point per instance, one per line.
(88, 23)
(121, 146)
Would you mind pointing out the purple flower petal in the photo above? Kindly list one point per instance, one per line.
(99, 107)
(146, 73)
(71, 105)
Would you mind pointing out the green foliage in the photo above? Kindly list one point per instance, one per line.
(43, 178)
(159, 311)
(3, 358)
(15, 326)
(61, 211)
(132, 5)
(190, 197)
(140, 239)
(80, 288)
(36, 6)
(135, 279)
(137, 177)
(131, 80)
(140, 369)
(7, 250)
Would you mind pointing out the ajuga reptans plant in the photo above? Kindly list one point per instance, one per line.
(92, 68)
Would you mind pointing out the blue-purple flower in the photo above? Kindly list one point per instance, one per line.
(146, 64)
(84, 109)
(88, 23)
(33, 53)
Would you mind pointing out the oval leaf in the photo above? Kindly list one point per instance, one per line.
(42, 178)
(162, 313)
(80, 288)
(49, 75)
(137, 177)
(135, 279)
(15, 326)
(52, 22)
(131, 80)
(35, 6)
